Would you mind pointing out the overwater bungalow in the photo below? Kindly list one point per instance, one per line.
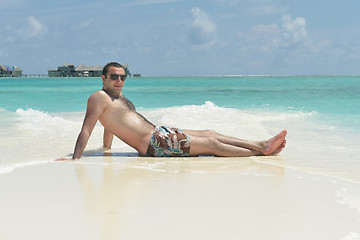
(10, 71)
(69, 70)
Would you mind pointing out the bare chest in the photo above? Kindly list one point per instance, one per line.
(121, 105)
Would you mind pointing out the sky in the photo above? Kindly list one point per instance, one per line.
(184, 37)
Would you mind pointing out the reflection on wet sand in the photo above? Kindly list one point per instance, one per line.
(117, 187)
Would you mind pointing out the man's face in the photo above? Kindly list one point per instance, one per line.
(114, 87)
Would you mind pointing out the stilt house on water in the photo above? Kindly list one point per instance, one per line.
(10, 71)
(69, 70)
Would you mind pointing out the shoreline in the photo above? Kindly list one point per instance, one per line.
(271, 160)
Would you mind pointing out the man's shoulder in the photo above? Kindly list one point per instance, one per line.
(98, 96)
(99, 93)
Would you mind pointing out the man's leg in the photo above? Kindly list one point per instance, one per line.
(211, 146)
(220, 145)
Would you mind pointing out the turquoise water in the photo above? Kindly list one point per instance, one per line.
(331, 96)
(324, 94)
(321, 114)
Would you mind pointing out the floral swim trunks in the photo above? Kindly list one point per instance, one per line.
(168, 142)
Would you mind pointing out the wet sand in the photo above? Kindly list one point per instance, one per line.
(123, 196)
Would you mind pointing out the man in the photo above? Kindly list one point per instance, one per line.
(119, 117)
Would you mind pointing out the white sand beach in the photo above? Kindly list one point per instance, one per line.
(123, 196)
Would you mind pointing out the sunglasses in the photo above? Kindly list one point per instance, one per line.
(116, 77)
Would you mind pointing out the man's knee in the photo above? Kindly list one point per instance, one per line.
(215, 146)
(213, 142)
(210, 133)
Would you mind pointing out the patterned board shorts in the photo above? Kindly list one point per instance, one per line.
(168, 142)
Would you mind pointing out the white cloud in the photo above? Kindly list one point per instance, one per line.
(34, 27)
(202, 21)
(294, 29)
(203, 30)
(293, 32)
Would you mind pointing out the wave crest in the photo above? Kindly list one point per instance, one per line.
(36, 119)
(250, 124)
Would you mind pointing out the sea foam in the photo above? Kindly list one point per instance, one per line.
(33, 135)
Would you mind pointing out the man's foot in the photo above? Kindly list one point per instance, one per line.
(279, 149)
(272, 145)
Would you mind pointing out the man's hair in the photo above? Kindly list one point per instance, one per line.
(111, 64)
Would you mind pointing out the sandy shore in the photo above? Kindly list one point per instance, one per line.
(128, 197)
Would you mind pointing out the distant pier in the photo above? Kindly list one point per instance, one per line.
(34, 75)
(24, 75)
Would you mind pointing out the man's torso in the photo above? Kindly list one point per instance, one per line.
(120, 118)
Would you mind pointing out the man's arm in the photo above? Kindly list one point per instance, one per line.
(94, 110)
(108, 138)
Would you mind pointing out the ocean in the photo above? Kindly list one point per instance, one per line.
(40, 118)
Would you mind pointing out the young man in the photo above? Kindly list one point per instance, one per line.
(119, 117)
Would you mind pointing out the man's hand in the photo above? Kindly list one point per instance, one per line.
(65, 159)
